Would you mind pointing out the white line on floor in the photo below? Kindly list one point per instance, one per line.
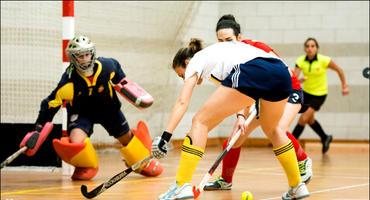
(329, 190)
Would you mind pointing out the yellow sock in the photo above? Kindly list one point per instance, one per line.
(190, 156)
(287, 158)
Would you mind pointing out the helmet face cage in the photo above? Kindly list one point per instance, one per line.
(80, 45)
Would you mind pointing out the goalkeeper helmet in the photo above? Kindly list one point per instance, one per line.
(78, 46)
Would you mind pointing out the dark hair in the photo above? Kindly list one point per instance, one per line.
(228, 21)
(313, 39)
(182, 54)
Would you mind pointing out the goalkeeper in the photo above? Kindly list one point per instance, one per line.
(88, 85)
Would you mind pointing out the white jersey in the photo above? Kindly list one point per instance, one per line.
(217, 61)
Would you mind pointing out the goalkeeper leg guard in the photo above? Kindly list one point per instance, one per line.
(136, 151)
(81, 155)
(142, 133)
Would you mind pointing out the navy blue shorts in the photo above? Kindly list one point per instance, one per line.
(265, 78)
(115, 123)
(296, 97)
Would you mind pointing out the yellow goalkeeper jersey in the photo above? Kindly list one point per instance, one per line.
(314, 70)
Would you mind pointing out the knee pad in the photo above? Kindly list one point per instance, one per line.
(76, 154)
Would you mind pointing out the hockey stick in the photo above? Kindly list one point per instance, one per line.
(13, 156)
(197, 191)
(115, 179)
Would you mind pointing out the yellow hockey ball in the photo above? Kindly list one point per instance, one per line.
(247, 195)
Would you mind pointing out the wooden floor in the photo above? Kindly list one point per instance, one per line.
(342, 174)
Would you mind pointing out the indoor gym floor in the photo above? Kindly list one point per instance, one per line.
(342, 174)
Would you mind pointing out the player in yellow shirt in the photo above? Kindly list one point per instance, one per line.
(315, 88)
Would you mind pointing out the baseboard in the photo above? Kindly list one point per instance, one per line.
(251, 142)
(213, 142)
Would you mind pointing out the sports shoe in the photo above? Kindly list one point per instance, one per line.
(218, 184)
(298, 192)
(169, 192)
(176, 192)
(326, 143)
(305, 169)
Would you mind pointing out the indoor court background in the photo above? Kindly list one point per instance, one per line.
(143, 37)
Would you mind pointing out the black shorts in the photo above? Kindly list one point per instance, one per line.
(115, 123)
(313, 101)
(266, 78)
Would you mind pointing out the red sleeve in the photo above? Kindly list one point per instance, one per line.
(259, 45)
(296, 85)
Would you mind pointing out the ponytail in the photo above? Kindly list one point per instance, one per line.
(182, 54)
